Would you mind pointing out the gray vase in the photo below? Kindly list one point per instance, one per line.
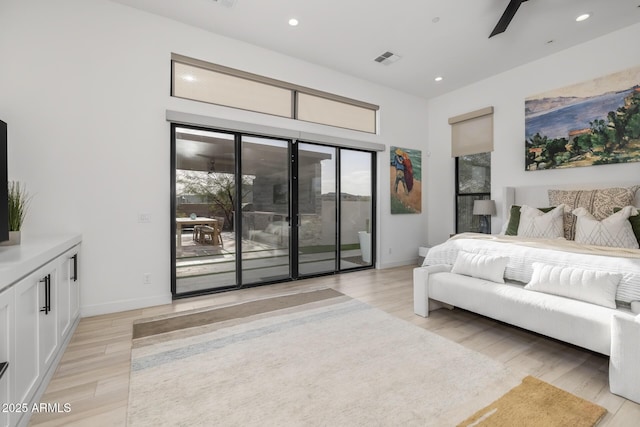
(14, 239)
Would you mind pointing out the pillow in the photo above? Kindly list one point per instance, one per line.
(488, 267)
(514, 219)
(635, 223)
(535, 223)
(599, 202)
(596, 287)
(614, 231)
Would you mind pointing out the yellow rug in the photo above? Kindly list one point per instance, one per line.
(536, 403)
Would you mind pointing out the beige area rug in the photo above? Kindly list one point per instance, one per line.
(313, 358)
(537, 404)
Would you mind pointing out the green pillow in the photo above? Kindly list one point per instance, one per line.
(514, 219)
(635, 223)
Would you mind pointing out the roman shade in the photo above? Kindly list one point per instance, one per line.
(472, 133)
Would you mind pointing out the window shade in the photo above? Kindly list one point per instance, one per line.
(317, 109)
(216, 84)
(472, 133)
(196, 83)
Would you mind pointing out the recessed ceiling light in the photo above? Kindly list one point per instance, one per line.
(583, 17)
(438, 79)
(293, 22)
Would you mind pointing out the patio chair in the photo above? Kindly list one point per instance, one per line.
(196, 233)
(219, 227)
(208, 234)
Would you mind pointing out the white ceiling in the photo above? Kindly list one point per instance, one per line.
(347, 35)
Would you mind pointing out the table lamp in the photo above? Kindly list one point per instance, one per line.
(484, 208)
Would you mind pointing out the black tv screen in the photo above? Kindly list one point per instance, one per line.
(4, 196)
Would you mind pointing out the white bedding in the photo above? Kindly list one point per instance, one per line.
(523, 253)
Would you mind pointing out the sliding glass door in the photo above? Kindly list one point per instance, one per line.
(249, 210)
(265, 212)
(356, 208)
(317, 206)
(204, 204)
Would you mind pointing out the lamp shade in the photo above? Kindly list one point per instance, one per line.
(484, 207)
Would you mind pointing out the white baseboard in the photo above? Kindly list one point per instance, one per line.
(412, 261)
(124, 305)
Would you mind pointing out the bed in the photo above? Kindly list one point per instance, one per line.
(570, 272)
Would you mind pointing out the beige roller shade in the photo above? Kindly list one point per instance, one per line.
(200, 84)
(319, 109)
(216, 84)
(472, 133)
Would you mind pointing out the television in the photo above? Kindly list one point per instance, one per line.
(4, 181)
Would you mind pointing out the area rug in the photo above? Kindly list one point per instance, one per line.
(537, 403)
(312, 358)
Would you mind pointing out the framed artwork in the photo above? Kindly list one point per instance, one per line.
(591, 123)
(405, 183)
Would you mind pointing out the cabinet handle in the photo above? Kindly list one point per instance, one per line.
(3, 367)
(47, 294)
(45, 280)
(75, 267)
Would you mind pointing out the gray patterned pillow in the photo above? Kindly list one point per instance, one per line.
(599, 203)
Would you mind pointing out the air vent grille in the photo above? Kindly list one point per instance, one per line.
(387, 58)
(227, 3)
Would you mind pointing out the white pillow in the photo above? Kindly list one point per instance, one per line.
(535, 223)
(486, 267)
(596, 287)
(614, 231)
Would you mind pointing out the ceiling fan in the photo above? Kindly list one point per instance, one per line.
(507, 16)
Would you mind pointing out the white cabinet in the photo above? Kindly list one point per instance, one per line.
(48, 310)
(68, 291)
(39, 309)
(36, 330)
(63, 289)
(27, 359)
(73, 257)
(6, 352)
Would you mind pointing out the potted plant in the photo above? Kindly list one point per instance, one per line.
(19, 201)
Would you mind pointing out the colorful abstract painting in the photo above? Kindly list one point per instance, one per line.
(591, 123)
(406, 180)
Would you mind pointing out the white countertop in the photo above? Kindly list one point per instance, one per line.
(32, 253)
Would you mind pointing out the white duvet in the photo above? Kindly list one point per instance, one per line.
(523, 253)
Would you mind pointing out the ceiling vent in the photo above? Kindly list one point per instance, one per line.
(227, 3)
(387, 58)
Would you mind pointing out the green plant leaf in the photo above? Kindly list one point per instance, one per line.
(19, 201)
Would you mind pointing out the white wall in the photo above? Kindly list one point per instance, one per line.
(507, 92)
(84, 88)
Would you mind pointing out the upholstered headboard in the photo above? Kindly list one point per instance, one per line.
(537, 196)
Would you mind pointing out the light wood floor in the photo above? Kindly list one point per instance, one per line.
(93, 375)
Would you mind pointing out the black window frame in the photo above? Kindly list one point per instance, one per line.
(473, 195)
